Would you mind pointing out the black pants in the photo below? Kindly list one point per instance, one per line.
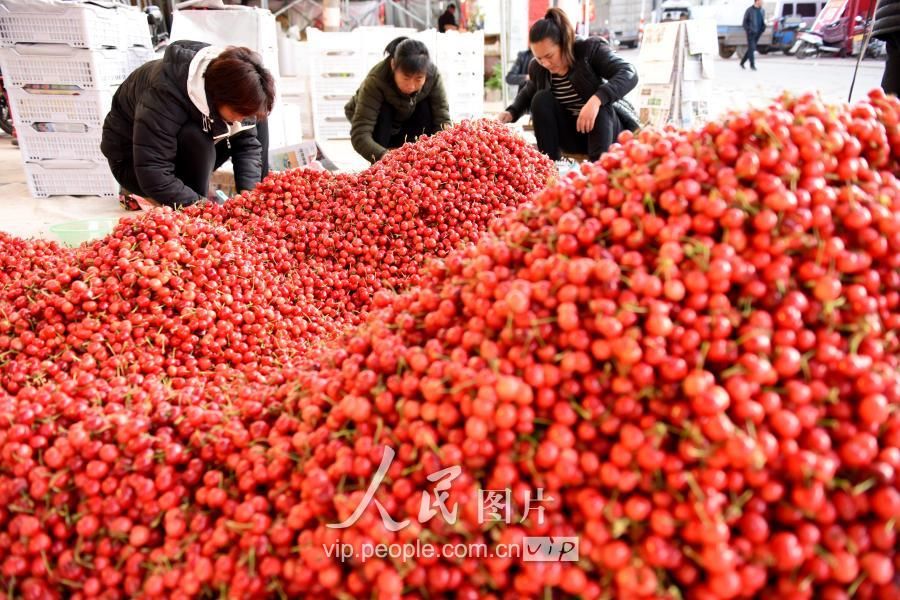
(391, 134)
(752, 39)
(891, 80)
(556, 128)
(196, 159)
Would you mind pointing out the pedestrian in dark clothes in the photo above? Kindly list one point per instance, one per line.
(754, 26)
(447, 21)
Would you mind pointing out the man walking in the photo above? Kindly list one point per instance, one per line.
(754, 25)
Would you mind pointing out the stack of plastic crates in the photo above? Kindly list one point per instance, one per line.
(338, 66)
(61, 65)
(375, 39)
(460, 58)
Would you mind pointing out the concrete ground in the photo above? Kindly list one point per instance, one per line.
(735, 88)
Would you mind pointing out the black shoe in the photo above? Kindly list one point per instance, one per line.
(753, 67)
(742, 66)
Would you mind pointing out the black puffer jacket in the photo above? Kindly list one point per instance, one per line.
(150, 108)
(887, 19)
(597, 72)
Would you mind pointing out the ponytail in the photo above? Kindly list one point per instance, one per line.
(410, 56)
(392, 47)
(556, 27)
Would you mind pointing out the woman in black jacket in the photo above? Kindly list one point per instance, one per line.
(571, 88)
(887, 28)
(174, 121)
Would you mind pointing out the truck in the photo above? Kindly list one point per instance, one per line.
(675, 10)
(620, 20)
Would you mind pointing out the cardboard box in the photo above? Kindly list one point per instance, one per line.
(222, 179)
(292, 157)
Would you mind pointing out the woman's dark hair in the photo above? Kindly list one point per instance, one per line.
(237, 79)
(555, 26)
(410, 56)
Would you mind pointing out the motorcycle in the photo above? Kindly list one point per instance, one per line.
(785, 32)
(834, 30)
(160, 39)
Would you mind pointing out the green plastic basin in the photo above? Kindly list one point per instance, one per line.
(74, 233)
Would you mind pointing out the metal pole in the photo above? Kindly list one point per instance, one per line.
(587, 18)
(331, 15)
(404, 10)
(428, 14)
(288, 7)
(862, 51)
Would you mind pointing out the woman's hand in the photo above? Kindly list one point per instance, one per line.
(505, 117)
(588, 115)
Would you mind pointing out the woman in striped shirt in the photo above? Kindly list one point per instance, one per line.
(572, 88)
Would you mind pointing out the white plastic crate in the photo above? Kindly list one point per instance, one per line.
(331, 106)
(345, 86)
(89, 107)
(337, 66)
(467, 78)
(461, 65)
(55, 64)
(378, 38)
(339, 61)
(468, 58)
(460, 111)
(466, 96)
(79, 143)
(329, 120)
(286, 122)
(254, 28)
(468, 42)
(333, 40)
(75, 24)
(332, 128)
(429, 37)
(70, 178)
(375, 39)
(336, 53)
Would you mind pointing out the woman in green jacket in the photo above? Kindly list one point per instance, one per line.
(401, 98)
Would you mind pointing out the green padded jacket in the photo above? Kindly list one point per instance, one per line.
(379, 87)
